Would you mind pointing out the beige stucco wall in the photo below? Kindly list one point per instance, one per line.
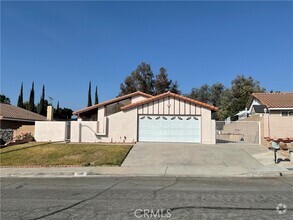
(207, 127)
(50, 131)
(120, 127)
(123, 126)
(137, 99)
(247, 130)
(101, 113)
(101, 118)
(169, 106)
(280, 126)
(213, 132)
(276, 126)
(83, 131)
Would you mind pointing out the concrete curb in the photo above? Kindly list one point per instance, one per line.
(143, 172)
(248, 175)
(37, 175)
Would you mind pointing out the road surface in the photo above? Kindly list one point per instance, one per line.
(146, 198)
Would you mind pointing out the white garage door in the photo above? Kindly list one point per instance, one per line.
(169, 128)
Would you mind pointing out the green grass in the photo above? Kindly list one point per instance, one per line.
(63, 154)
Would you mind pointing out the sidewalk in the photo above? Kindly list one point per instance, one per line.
(167, 171)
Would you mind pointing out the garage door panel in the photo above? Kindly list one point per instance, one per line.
(169, 129)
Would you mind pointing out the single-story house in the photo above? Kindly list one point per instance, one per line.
(275, 112)
(167, 117)
(18, 119)
(279, 103)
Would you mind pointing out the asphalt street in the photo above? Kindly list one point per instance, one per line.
(146, 198)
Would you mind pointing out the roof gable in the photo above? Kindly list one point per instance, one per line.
(167, 94)
(274, 100)
(259, 108)
(11, 112)
(112, 101)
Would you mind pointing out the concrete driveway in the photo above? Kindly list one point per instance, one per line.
(182, 154)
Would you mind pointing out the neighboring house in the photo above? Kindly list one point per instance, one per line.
(275, 112)
(136, 117)
(280, 104)
(18, 119)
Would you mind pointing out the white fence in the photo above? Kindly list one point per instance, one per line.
(84, 131)
(50, 131)
(74, 131)
(90, 131)
(247, 132)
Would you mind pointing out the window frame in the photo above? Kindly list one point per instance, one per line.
(287, 113)
(117, 105)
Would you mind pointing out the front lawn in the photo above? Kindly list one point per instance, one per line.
(63, 154)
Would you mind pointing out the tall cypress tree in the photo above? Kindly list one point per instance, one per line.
(96, 96)
(42, 110)
(31, 104)
(20, 97)
(89, 98)
(57, 112)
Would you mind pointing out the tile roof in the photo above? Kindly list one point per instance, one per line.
(275, 100)
(111, 101)
(11, 112)
(172, 95)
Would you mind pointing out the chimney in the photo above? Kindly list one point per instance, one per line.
(50, 111)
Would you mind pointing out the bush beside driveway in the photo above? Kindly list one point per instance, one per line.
(49, 154)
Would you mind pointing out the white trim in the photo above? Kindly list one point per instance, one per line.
(254, 102)
(98, 133)
(280, 108)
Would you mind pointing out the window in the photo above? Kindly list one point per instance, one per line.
(287, 113)
(116, 106)
(284, 113)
